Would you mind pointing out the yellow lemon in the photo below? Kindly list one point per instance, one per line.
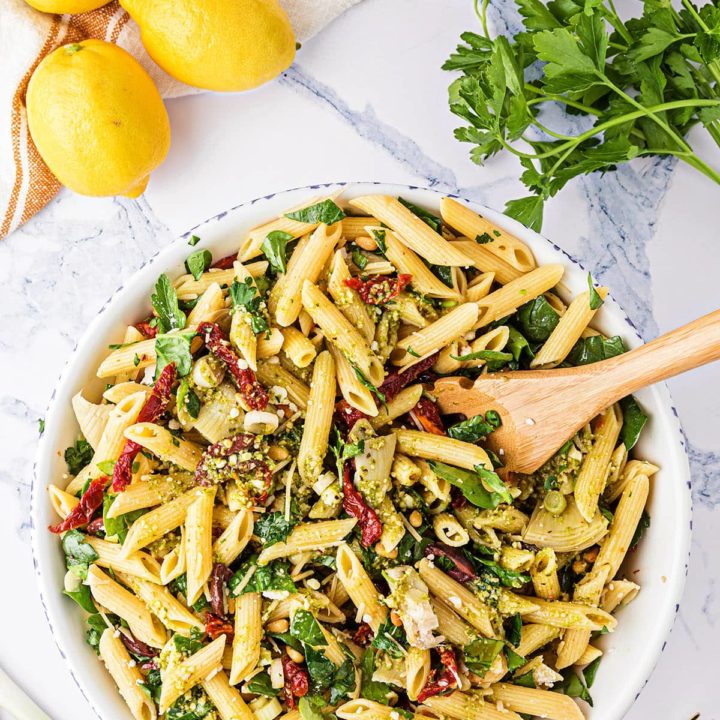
(97, 119)
(221, 45)
(66, 6)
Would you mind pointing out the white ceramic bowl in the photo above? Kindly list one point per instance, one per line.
(659, 565)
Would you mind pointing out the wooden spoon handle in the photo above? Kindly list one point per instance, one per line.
(685, 348)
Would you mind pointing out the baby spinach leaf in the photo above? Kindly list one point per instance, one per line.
(481, 653)
(273, 576)
(323, 212)
(96, 627)
(595, 300)
(174, 348)
(83, 597)
(306, 628)
(488, 355)
(593, 349)
(514, 661)
(427, 217)
(590, 671)
(573, 687)
(470, 484)
(79, 554)
(388, 637)
(272, 527)
(198, 262)
(320, 668)
(274, 247)
(474, 428)
(343, 683)
(189, 645)
(537, 319)
(634, 420)
(260, 684)
(642, 526)
(310, 706)
(371, 689)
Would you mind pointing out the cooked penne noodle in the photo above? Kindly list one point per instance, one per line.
(468, 706)
(248, 634)
(347, 299)
(298, 348)
(360, 588)
(234, 538)
(309, 536)
(138, 564)
(199, 542)
(428, 446)
(542, 703)
(226, 699)
(164, 445)
(91, 418)
(274, 375)
(402, 403)
(487, 261)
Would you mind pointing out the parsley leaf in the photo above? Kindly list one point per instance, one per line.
(323, 212)
(78, 456)
(245, 295)
(79, 554)
(165, 302)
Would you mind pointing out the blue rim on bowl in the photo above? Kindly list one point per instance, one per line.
(636, 659)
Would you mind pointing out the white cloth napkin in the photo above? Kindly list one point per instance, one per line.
(26, 36)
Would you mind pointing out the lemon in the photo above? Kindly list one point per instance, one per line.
(221, 45)
(97, 119)
(66, 6)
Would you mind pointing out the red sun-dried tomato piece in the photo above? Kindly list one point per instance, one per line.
(297, 681)
(137, 646)
(447, 679)
(254, 393)
(156, 404)
(218, 577)
(463, 570)
(427, 417)
(82, 513)
(379, 289)
(396, 381)
(146, 329)
(353, 503)
(216, 625)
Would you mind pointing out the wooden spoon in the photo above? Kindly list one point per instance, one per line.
(542, 409)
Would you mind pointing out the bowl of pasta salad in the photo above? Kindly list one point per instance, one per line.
(248, 506)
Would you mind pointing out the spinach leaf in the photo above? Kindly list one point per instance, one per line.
(492, 480)
(590, 671)
(593, 349)
(366, 383)
(469, 483)
(118, 526)
(517, 344)
(527, 680)
(487, 355)
(198, 262)
(96, 627)
(371, 689)
(260, 684)
(152, 685)
(323, 212)
(343, 682)
(642, 526)
(77, 456)
(193, 241)
(379, 237)
(320, 668)
(79, 554)
(634, 420)
(358, 258)
(443, 273)
(514, 661)
(388, 637)
(475, 428)
(537, 319)
(187, 399)
(508, 578)
(274, 247)
(174, 348)
(595, 300)
(272, 527)
(165, 302)
(573, 687)
(193, 705)
(310, 706)
(273, 576)
(513, 629)
(306, 628)
(427, 217)
(481, 653)
(189, 645)
(83, 597)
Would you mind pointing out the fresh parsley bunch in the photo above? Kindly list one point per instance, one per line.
(640, 84)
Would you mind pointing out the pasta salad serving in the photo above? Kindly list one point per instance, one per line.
(267, 516)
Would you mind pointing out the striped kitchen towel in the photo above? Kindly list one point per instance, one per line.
(27, 36)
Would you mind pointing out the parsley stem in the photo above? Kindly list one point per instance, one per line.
(614, 19)
(549, 97)
(711, 66)
(613, 122)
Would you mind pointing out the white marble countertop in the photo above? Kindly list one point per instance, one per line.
(365, 100)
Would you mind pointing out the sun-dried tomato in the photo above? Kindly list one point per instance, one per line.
(83, 512)
(218, 465)
(254, 393)
(447, 679)
(346, 415)
(218, 577)
(155, 405)
(353, 503)
(463, 570)
(96, 526)
(146, 329)
(459, 501)
(363, 635)
(137, 647)
(396, 381)
(216, 625)
(225, 263)
(297, 681)
(379, 289)
(427, 418)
